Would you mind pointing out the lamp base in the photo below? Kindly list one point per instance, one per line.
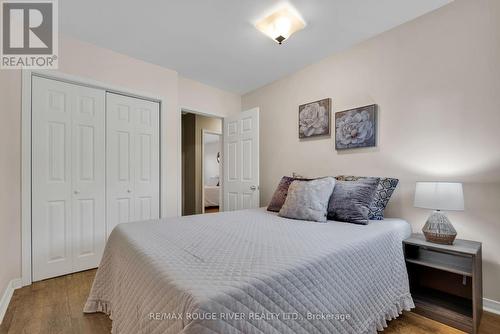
(438, 229)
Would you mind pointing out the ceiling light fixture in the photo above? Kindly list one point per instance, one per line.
(281, 24)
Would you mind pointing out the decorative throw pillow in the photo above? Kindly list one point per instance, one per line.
(350, 200)
(385, 189)
(280, 193)
(308, 200)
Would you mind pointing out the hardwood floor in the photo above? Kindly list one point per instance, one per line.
(211, 209)
(55, 306)
(412, 323)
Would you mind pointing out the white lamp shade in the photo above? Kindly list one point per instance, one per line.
(439, 196)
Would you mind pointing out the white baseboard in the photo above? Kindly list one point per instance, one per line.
(7, 295)
(491, 306)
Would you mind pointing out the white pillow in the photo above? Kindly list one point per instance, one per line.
(308, 200)
(213, 181)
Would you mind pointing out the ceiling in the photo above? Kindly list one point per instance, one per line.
(215, 42)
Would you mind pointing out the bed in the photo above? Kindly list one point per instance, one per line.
(212, 194)
(251, 271)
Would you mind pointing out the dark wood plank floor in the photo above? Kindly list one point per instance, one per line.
(211, 209)
(55, 306)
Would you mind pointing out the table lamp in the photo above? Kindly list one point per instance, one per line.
(439, 196)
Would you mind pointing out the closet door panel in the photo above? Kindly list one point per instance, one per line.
(89, 186)
(133, 179)
(51, 179)
(147, 162)
(119, 167)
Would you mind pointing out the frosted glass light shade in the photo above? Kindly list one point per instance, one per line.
(447, 196)
(281, 24)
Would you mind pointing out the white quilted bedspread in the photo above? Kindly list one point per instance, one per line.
(252, 272)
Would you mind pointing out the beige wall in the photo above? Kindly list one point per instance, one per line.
(10, 177)
(437, 83)
(92, 62)
(199, 97)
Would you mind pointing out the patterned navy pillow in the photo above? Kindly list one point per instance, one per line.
(385, 189)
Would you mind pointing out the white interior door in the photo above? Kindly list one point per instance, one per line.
(241, 161)
(133, 160)
(88, 177)
(68, 186)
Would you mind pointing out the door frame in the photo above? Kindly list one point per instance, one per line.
(26, 163)
(205, 132)
(179, 149)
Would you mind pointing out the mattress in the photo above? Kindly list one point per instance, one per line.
(251, 271)
(212, 195)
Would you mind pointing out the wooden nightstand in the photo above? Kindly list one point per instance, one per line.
(446, 281)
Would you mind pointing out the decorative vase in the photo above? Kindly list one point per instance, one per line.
(438, 229)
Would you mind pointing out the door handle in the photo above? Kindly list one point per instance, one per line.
(129, 191)
(76, 192)
(253, 188)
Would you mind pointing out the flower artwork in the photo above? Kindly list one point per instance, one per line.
(314, 119)
(355, 128)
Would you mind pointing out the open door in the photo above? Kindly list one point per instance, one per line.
(241, 161)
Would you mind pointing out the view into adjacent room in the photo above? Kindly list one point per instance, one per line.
(201, 163)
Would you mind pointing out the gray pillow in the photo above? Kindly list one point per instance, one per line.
(308, 200)
(385, 188)
(350, 201)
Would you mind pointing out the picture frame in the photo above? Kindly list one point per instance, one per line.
(356, 128)
(314, 119)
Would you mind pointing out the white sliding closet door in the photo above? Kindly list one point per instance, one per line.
(133, 160)
(68, 177)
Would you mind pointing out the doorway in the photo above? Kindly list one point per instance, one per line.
(201, 164)
(211, 165)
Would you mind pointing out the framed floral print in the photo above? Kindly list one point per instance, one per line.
(314, 119)
(356, 128)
